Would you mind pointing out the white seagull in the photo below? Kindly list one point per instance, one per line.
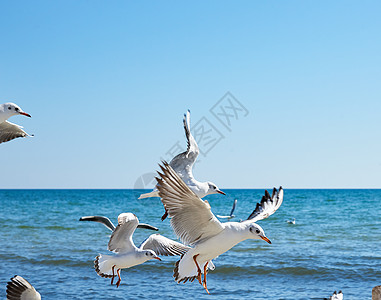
(8, 130)
(20, 289)
(127, 254)
(194, 223)
(231, 216)
(183, 163)
(336, 296)
(291, 221)
(110, 225)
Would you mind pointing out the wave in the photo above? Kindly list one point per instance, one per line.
(51, 227)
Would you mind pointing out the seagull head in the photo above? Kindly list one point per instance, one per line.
(12, 109)
(213, 189)
(256, 232)
(150, 254)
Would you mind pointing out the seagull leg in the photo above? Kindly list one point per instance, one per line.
(120, 279)
(113, 274)
(198, 268)
(204, 282)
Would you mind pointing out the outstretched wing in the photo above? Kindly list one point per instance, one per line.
(103, 220)
(10, 131)
(121, 238)
(191, 218)
(19, 288)
(163, 246)
(233, 208)
(183, 162)
(106, 221)
(267, 206)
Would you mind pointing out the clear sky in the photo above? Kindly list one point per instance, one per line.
(107, 84)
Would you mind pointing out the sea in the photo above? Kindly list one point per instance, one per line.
(335, 244)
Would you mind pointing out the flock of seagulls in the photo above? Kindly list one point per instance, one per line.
(203, 237)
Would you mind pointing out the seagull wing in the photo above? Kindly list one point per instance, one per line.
(191, 218)
(183, 162)
(19, 288)
(121, 238)
(233, 208)
(163, 246)
(104, 220)
(10, 131)
(267, 206)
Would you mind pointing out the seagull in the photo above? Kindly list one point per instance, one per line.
(291, 221)
(336, 296)
(8, 130)
(127, 254)
(183, 163)
(194, 223)
(107, 222)
(19, 288)
(231, 216)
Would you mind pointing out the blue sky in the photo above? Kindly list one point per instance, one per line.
(107, 84)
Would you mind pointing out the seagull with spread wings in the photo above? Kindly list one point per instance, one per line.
(194, 223)
(183, 163)
(127, 254)
(8, 130)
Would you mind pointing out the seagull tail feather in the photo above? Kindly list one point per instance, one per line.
(103, 265)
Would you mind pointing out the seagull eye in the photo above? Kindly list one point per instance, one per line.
(16, 109)
(9, 107)
(257, 231)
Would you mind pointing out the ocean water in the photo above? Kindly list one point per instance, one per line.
(334, 245)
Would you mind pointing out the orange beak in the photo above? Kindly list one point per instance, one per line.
(158, 258)
(25, 114)
(265, 239)
(220, 192)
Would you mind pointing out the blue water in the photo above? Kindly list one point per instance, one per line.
(335, 244)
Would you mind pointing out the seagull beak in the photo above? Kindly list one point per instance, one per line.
(220, 192)
(265, 239)
(158, 258)
(25, 114)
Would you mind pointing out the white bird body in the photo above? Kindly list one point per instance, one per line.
(8, 130)
(232, 234)
(194, 223)
(122, 260)
(183, 163)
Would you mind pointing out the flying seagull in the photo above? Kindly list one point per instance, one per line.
(20, 289)
(194, 223)
(231, 216)
(127, 254)
(183, 163)
(107, 222)
(8, 130)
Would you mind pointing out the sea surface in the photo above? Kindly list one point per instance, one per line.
(334, 245)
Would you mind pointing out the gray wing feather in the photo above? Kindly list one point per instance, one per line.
(267, 206)
(19, 288)
(121, 238)
(191, 218)
(100, 219)
(163, 246)
(183, 162)
(10, 131)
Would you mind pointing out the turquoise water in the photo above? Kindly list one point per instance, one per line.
(335, 244)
